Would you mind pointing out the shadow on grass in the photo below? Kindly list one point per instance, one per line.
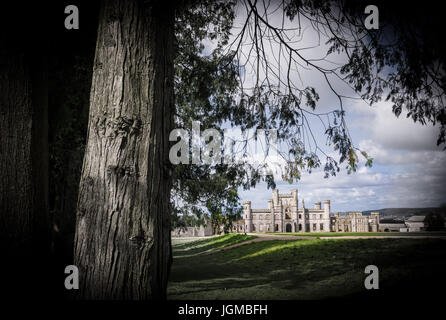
(314, 268)
(207, 245)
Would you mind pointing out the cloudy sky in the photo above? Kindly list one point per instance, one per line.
(408, 168)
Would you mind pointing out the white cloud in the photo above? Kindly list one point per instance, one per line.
(384, 128)
(399, 178)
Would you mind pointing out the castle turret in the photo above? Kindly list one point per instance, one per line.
(294, 208)
(302, 219)
(277, 208)
(326, 215)
(247, 214)
(294, 198)
(273, 221)
(276, 197)
(317, 205)
(353, 221)
(374, 223)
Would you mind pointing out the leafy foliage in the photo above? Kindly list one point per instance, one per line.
(402, 62)
(205, 90)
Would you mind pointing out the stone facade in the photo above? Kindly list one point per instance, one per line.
(392, 225)
(355, 222)
(416, 223)
(201, 231)
(284, 215)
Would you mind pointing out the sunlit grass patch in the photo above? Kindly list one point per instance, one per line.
(208, 245)
(299, 269)
(278, 245)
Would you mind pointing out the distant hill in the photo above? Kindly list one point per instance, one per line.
(404, 212)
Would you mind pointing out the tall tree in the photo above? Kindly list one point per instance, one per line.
(70, 68)
(122, 239)
(25, 223)
(122, 248)
(206, 87)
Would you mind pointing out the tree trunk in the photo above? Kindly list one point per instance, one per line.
(122, 243)
(25, 236)
(16, 190)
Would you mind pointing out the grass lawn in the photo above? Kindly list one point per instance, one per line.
(195, 247)
(373, 234)
(301, 269)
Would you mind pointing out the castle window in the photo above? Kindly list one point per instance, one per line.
(314, 227)
(321, 226)
(300, 216)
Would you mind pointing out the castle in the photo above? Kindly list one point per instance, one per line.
(284, 215)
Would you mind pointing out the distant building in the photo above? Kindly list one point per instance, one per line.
(201, 231)
(391, 225)
(355, 222)
(416, 223)
(284, 215)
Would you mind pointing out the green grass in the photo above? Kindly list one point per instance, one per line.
(296, 269)
(208, 245)
(340, 234)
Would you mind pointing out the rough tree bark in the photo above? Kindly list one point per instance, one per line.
(25, 236)
(16, 190)
(122, 242)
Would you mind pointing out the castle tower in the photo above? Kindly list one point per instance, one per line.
(247, 214)
(273, 220)
(275, 197)
(294, 201)
(294, 210)
(317, 205)
(294, 197)
(277, 208)
(354, 222)
(303, 220)
(326, 215)
(374, 217)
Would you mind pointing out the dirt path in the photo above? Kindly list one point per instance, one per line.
(266, 237)
(403, 236)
